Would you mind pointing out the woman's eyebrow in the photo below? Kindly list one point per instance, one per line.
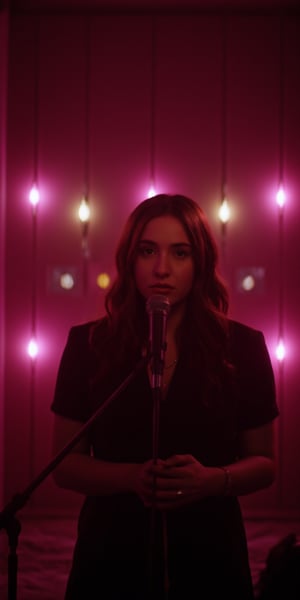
(145, 241)
(182, 244)
(175, 244)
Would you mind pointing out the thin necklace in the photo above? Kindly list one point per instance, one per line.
(171, 364)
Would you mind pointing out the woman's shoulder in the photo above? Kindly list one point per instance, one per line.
(86, 329)
(247, 344)
(239, 330)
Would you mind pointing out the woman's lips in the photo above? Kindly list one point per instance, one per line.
(162, 288)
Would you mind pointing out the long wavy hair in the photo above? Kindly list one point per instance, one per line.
(204, 332)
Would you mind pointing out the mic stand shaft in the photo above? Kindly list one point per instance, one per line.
(8, 520)
(156, 396)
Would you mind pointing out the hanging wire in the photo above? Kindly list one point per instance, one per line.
(281, 244)
(84, 207)
(224, 209)
(224, 109)
(152, 105)
(281, 173)
(87, 107)
(34, 249)
(35, 173)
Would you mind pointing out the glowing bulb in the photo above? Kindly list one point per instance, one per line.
(280, 351)
(32, 348)
(151, 191)
(248, 283)
(67, 281)
(34, 195)
(224, 211)
(84, 211)
(103, 280)
(281, 197)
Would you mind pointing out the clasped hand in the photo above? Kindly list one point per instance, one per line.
(172, 483)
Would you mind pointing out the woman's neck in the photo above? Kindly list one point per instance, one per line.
(175, 319)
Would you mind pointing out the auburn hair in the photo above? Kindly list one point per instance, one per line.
(204, 331)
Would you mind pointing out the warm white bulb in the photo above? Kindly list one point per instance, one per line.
(103, 280)
(84, 211)
(248, 283)
(67, 281)
(224, 211)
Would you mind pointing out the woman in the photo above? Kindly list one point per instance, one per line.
(165, 526)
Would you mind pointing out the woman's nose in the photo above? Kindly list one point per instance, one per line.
(162, 264)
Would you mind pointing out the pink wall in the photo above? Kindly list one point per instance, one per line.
(187, 129)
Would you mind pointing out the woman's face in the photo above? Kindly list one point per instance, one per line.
(164, 263)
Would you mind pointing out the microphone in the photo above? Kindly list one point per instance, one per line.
(158, 308)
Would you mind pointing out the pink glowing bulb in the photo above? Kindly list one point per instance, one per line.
(280, 351)
(32, 348)
(34, 195)
(281, 197)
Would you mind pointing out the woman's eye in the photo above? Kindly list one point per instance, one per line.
(180, 253)
(146, 250)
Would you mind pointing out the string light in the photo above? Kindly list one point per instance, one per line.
(84, 211)
(248, 283)
(224, 211)
(281, 200)
(280, 350)
(32, 348)
(151, 191)
(34, 199)
(281, 197)
(34, 196)
(66, 281)
(103, 280)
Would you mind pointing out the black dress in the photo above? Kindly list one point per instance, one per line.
(118, 554)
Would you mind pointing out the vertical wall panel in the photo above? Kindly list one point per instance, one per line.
(18, 283)
(4, 29)
(291, 393)
(253, 140)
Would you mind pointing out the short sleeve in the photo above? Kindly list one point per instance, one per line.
(255, 378)
(72, 383)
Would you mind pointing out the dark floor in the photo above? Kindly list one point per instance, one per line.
(45, 549)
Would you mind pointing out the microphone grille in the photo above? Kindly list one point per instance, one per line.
(158, 302)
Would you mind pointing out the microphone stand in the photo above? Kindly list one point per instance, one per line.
(156, 384)
(8, 520)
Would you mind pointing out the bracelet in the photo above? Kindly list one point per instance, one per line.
(228, 481)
